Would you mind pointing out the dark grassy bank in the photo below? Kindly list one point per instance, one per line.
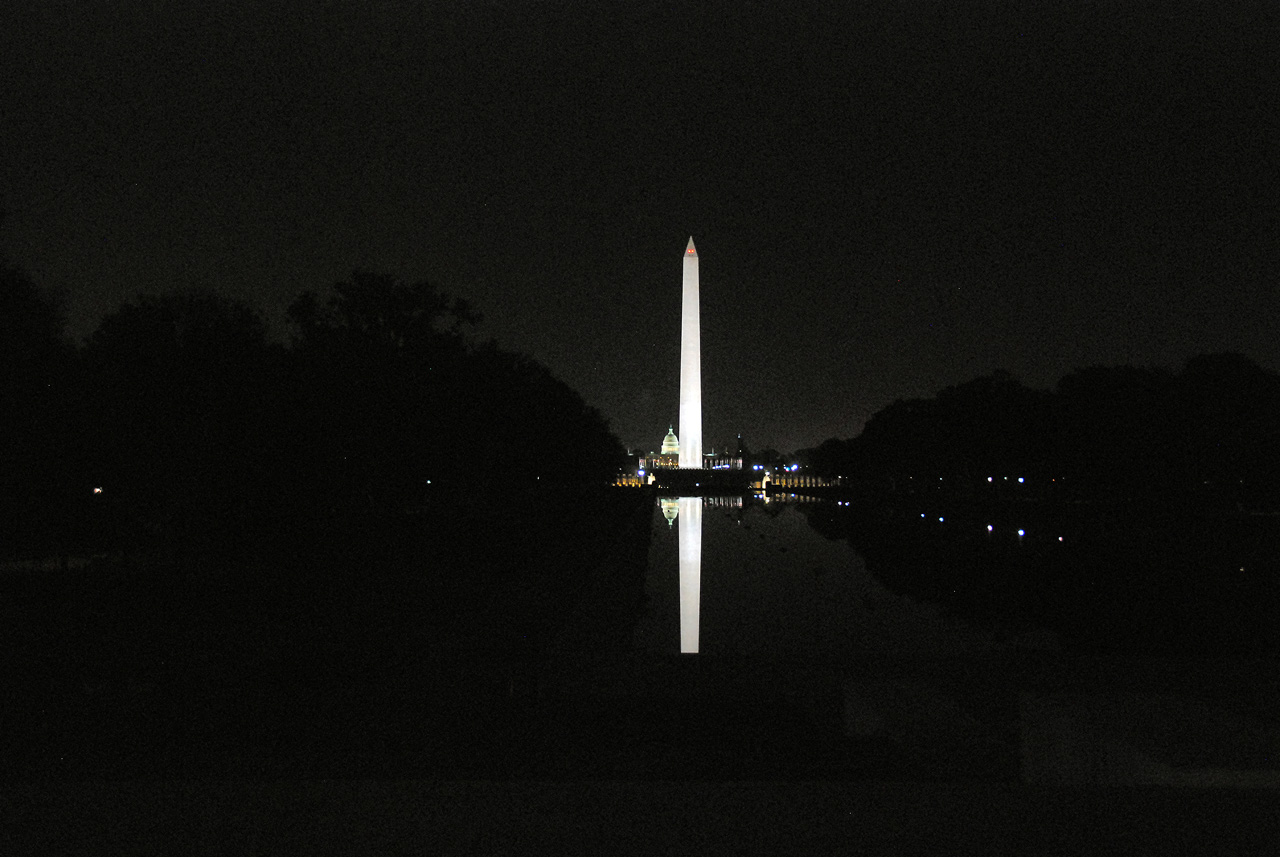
(347, 645)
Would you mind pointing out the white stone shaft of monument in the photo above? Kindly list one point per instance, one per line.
(689, 522)
(690, 365)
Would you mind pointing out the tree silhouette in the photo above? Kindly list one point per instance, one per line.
(35, 359)
(183, 399)
(1104, 432)
(395, 397)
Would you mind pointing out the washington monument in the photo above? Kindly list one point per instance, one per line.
(690, 365)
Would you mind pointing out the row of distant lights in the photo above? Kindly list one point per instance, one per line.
(990, 527)
(989, 478)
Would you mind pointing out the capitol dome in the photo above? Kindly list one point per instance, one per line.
(670, 445)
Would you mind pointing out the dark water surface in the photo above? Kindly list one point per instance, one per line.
(1088, 649)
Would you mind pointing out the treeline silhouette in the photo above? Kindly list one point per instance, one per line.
(340, 556)
(191, 420)
(1208, 433)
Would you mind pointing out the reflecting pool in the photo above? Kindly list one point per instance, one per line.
(765, 630)
(744, 579)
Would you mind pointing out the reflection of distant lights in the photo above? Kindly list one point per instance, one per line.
(990, 528)
(1022, 532)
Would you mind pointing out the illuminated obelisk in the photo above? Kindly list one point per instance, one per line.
(690, 365)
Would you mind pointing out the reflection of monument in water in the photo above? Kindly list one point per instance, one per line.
(686, 513)
(690, 527)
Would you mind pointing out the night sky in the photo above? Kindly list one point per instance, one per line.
(886, 200)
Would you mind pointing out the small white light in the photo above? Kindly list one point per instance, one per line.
(922, 514)
(1022, 532)
(1059, 538)
(990, 479)
(1020, 479)
(990, 528)
(97, 490)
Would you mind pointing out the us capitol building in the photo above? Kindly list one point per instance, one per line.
(668, 457)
